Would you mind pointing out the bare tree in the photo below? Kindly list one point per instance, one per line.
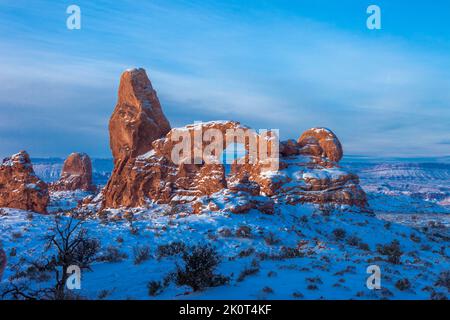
(71, 246)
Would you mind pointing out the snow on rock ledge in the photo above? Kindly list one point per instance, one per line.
(20, 188)
(142, 144)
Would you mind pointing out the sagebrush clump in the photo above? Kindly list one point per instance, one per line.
(392, 251)
(170, 249)
(141, 254)
(198, 272)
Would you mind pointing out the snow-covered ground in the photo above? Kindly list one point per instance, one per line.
(300, 252)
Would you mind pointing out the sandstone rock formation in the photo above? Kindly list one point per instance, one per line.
(154, 176)
(149, 167)
(136, 122)
(321, 142)
(76, 174)
(137, 119)
(20, 188)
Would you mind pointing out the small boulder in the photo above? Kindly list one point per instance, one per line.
(321, 142)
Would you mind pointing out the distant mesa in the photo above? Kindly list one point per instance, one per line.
(76, 174)
(20, 188)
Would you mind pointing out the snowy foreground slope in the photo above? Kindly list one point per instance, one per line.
(300, 252)
(328, 254)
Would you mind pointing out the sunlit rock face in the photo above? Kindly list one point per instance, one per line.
(155, 176)
(76, 174)
(20, 188)
(146, 172)
(136, 122)
(138, 119)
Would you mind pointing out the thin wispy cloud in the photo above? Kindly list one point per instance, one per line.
(258, 63)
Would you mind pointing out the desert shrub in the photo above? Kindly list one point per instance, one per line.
(271, 239)
(246, 252)
(364, 246)
(403, 284)
(414, 237)
(243, 232)
(290, 253)
(285, 253)
(141, 254)
(134, 230)
(312, 287)
(13, 252)
(298, 295)
(348, 269)
(113, 254)
(353, 241)
(444, 280)
(170, 249)
(119, 239)
(271, 274)
(16, 235)
(155, 288)
(226, 233)
(200, 262)
(248, 271)
(360, 294)
(103, 294)
(315, 280)
(339, 234)
(392, 251)
(267, 290)
(386, 293)
(84, 253)
(438, 296)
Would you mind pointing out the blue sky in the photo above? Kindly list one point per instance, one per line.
(290, 65)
